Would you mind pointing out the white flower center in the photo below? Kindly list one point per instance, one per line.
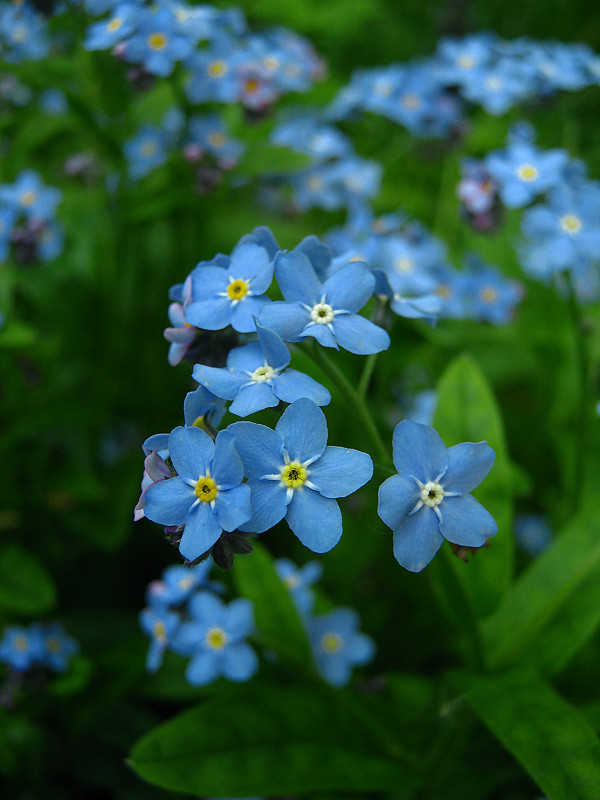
(432, 494)
(263, 374)
(570, 223)
(528, 172)
(322, 314)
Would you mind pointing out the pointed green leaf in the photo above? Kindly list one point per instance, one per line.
(25, 586)
(467, 412)
(548, 736)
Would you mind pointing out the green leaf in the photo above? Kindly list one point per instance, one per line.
(554, 606)
(268, 160)
(267, 741)
(546, 734)
(276, 617)
(25, 586)
(467, 412)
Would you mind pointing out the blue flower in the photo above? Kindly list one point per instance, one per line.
(256, 377)
(161, 625)
(231, 295)
(299, 580)
(294, 475)
(21, 648)
(429, 501)
(105, 34)
(214, 638)
(206, 496)
(338, 646)
(178, 582)
(146, 151)
(522, 172)
(58, 647)
(326, 311)
(156, 44)
(29, 196)
(532, 533)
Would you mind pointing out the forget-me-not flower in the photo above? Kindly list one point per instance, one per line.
(326, 311)
(428, 500)
(257, 377)
(207, 495)
(298, 581)
(294, 475)
(338, 645)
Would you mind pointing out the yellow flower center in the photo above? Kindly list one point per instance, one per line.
(570, 223)
(237, 290)
(114, 24)
(53, 644)
(251, 85)
(185, 583)
(527, 172)
(28, 198)
(206, 489)
(443, 291)
(331, 642)
(19, 34)
(21, 643)
(489, 295)
(160, 631)
(157, 41)
(217, 139)
(216, 638)
(293, 475)
(216, 69)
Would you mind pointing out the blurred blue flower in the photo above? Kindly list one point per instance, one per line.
(59, 647)
(28, 196)
(532, 533)
(21, 648)
(294, 475)
(338, 646)
(156, 44)
(207, 495)
(429, 500)
(299, 580)
(522, 172)
(146, 150)
(214, 638)
(161, 625)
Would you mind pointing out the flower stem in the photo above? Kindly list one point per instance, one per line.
(355, 401)
(367, 373)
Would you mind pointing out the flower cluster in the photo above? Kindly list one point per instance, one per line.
(28, 228)
(23, 33)
(186, 615)
(223, 59)
(39, 645)
(429, 96)
(336, 642)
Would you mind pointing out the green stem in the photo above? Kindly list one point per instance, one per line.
(367, 373)
(355, 401)
(582, 366)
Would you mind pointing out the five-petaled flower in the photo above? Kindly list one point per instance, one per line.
(429, 501)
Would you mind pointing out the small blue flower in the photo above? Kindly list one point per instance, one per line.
(532, 533)
(146, 151)
(294, 475)
(338, 645)
(156, 44)
(522, 172)
(231, 295)
(214, 638)
(161, 625)
(58, 647)
(207, 496)
(29, 196)
(299, 580)
(21, 648)
(326, 311)
(429, 501)
(256, 377)
(105, 34)
(178, 582)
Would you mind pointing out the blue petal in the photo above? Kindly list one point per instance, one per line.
(297, 279)
(200, 533)
(359, 335)
(259, 447)
(207, 608)
(203, 668)
(210, 315)
(398, 495)
(233, 507)
(466, 522)
(243, 314)
(239, 619)
(350, 287)
(159, 441)
(361, 648)
(417, 540)
(191, 451)
(268, 502)
(252, 264)
(339, 471)
(227, 468)
(291, 385)
(208, 281)
(286, 319)
(335, 669)
(303, 428)
(316, 520)
(468, 465)
(322, 333)
(222, 382)
(246, 358)
(253, 398)
(275, 352)
(168, 502)
(240, 662)
(418, 451)
(188, 638)
(318, 254)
